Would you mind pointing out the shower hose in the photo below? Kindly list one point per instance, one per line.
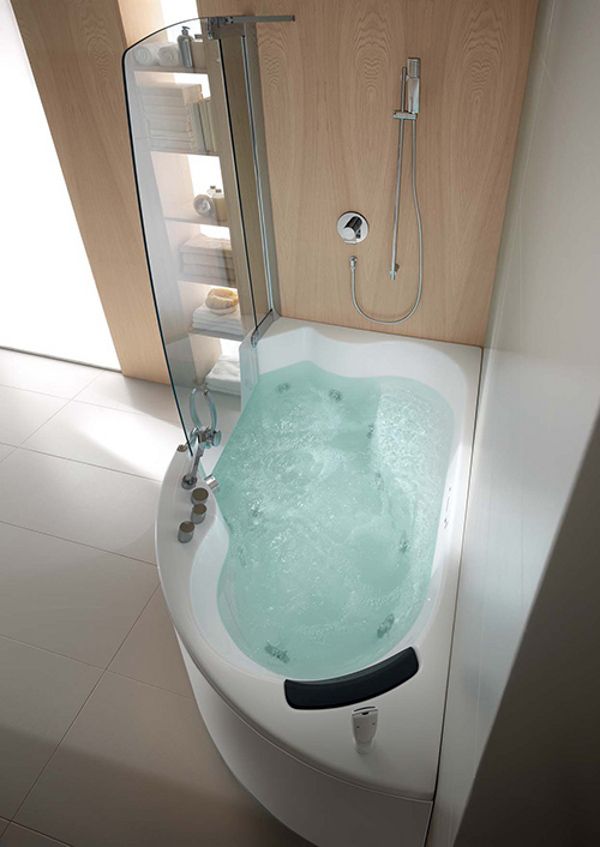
(354, 260)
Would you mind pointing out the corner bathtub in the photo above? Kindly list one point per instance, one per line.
(291, 743)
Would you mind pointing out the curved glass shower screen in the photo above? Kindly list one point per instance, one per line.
(197, 134)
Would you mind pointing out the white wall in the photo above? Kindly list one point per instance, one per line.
(48, 299)
(541, 384)
(537, 782)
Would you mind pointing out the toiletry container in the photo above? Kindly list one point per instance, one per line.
(218, 199)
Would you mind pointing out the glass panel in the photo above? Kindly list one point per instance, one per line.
(193, 140)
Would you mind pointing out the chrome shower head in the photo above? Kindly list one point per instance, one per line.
(413, 84)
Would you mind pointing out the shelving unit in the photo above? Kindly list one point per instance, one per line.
(179, 176)
(200, 121)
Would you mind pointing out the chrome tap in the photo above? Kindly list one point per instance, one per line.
(201, 437)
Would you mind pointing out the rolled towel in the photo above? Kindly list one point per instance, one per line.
(146, 55)
(169, 56)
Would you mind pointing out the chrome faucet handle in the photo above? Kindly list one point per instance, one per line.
(352, 227)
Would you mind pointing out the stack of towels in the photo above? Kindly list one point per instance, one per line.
(208, 260)
(229, 323)
(178, 118)
(225, 375)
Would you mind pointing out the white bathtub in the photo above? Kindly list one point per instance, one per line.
(303, 764)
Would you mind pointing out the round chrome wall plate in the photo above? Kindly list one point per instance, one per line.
(352, 227)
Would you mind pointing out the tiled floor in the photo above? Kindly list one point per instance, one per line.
(100, 739)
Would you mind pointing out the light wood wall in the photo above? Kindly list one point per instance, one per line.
(330, 83)
(75, 48)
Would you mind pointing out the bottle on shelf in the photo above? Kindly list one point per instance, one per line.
(219, 203)
(198, 53)
(185, 41)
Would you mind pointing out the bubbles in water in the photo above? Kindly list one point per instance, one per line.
(332, 533)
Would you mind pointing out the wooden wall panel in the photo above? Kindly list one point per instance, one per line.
(75, 53)
(330, 83)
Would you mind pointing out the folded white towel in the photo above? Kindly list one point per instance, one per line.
(209, 275)
(216, 257)
(171, 125)
(163, 146)
(225, 375)
(169, 56)
(201, 253)
(171, 94)
(172, 134)
(230, 323)
(201, 244)
(146, 54)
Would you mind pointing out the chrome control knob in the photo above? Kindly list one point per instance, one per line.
(352, 227)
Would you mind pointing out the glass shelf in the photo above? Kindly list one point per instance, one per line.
(216, 333)
(175, 69)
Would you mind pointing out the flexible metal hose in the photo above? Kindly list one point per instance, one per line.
(354, 260)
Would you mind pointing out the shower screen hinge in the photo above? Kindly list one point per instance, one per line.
(262, 327)
(228, 25)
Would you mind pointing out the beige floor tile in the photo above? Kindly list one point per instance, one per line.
(23, 412)
(137, 769)
(103, 508)
(19, 836)
(151, 653)
(116, 391)
(124, 441)
(3, 825)
(68, 598)
(49, 376)
(5, 449)
(41, 694)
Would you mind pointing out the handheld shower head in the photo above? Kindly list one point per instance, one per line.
(413, 84)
